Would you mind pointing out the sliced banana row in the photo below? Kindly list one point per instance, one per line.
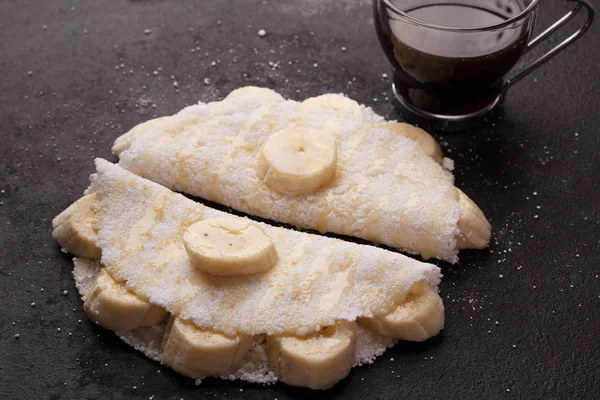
(317, 361)
(320, 360)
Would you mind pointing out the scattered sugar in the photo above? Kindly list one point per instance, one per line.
(262, 33)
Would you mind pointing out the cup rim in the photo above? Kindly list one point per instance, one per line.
(500, 25)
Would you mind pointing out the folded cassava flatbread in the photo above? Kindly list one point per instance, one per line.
(326, 163)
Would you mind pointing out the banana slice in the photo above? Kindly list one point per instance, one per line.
(229, 246)
(74, 228)
(123, 142)
(317, 361)
(475, 230)
(297, 160)
(419, 317)
(113, 307)
(423, 139)
(253, 91)
(198, 353)
(331, 101)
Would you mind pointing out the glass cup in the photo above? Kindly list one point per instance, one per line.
(451, 59)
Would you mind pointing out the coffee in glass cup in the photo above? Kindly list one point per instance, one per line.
(451, 59)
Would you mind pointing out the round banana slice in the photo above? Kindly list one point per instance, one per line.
(475, 230)
(317, 361)
(229, 246)
(429, 145)
(253, 91)
(74, 228)
(124, 141)
(297, 160)
(198, 353)
(329, 101)
(112, 306)
(419, 317)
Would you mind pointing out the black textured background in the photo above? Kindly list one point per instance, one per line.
(521, 316)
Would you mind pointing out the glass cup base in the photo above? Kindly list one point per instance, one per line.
(443, 122)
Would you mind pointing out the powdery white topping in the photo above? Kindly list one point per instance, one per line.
(85, 273)
(317, 280)
(448, 163)
(369, 346)
(386, 189)
(147, 340)
(255, 368)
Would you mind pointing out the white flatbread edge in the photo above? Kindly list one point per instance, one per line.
(256, 369)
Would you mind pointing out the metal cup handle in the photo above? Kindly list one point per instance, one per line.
(581, 4)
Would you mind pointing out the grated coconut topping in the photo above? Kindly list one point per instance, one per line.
(386, 189)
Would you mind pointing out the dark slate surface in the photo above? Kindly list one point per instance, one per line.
(521, 316)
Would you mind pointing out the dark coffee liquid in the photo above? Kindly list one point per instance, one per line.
(447, 72)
